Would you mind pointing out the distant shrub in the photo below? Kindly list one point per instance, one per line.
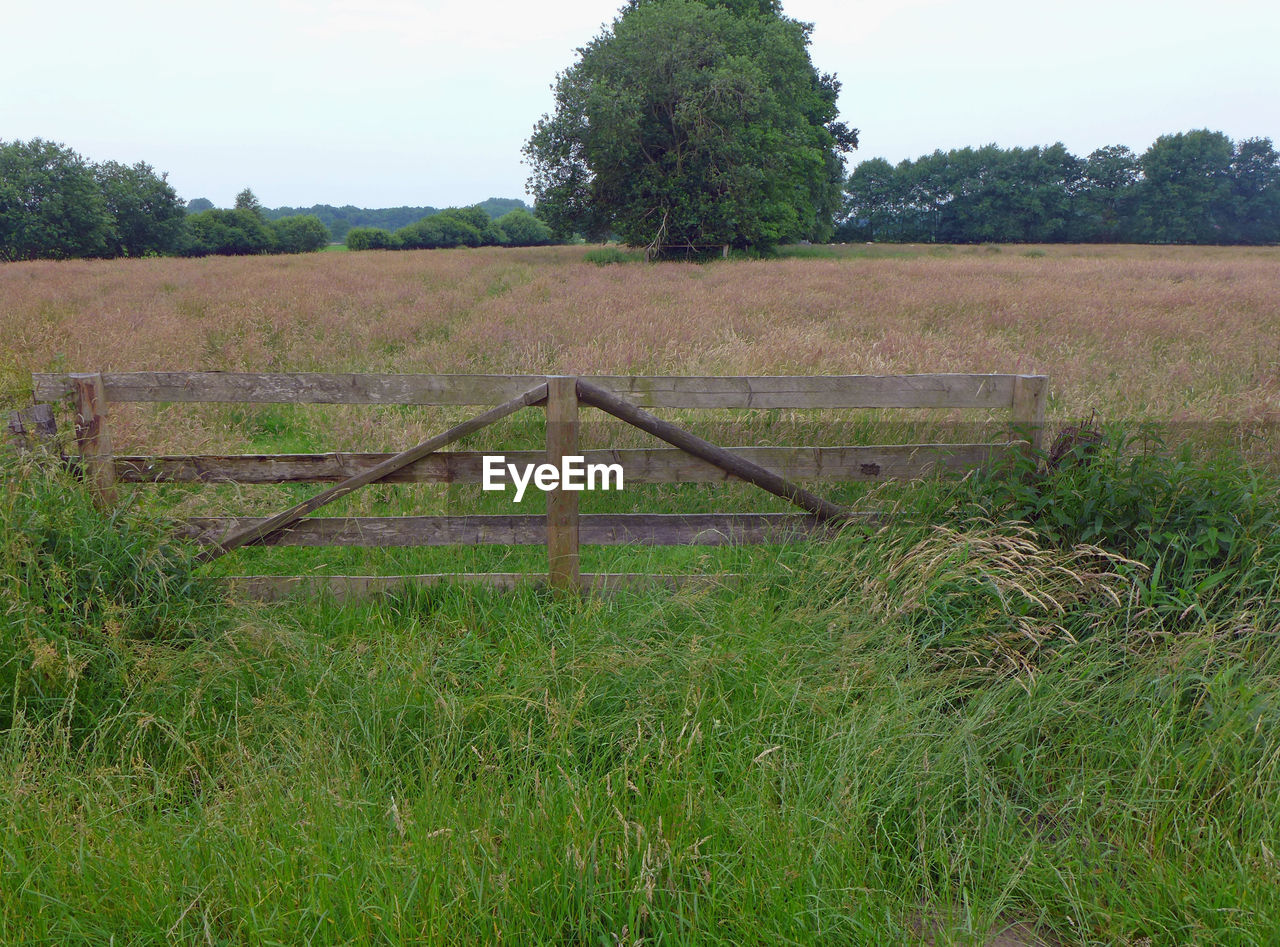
(226, 233)
(438, 231)
(456, 227)
(493, 236)
(522, 229)
(371, 238)
(300, 234)
(476, 217)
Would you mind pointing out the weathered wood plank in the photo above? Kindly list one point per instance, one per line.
(562, 505)
(33, 425)
(596, 529)
(93, 437)
(1030, 392)
(276, 588)
(502, 530)
(805, 391)
(731, 463)
(263, 530)
(640, 465)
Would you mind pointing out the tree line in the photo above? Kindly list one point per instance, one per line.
(1196, 187)
(54, 204)
(339, 220)
(456, 227)
(1192, 187)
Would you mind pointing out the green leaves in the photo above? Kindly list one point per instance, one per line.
(692, 124)
(56, 205)
(1195, 187)
(147, 216)
(522, 229)
(303, 233)
(1207, 530)
(227, 233)
(1185, 194)
(50, 204)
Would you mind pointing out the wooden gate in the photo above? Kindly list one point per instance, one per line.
(562, 529)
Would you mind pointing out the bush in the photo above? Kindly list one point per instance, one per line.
(371, 238)
(1203, 527)
(474, 217)
(491, 235)
(226, 233)
(456, 227)
(300, 234)
(523, 229)
(438, 231)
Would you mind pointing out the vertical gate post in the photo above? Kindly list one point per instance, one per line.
(1029, 393)
(93, 437)
(562, 505)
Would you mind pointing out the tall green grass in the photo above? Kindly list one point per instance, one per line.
(988, 712)
(79, 588)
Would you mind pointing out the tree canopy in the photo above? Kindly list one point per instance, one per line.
(50, 203)
(1193, 187)
(146, 213)
(54, 204)
(237, 232)
(692, 123)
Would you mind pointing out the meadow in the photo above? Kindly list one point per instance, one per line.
(1040, 705)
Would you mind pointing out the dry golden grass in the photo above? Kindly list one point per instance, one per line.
(1176, 334)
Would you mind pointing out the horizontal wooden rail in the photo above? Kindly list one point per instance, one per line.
(516, 529)
(639, 465)
(650, 391)
(262, 531)
(275, 588)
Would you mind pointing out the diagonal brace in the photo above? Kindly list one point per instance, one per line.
(727, 461)
(267, 528)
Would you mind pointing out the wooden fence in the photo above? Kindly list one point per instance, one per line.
(690, 459)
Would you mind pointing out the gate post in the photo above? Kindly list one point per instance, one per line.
(1029, 393)
(93, 437)
(562, 505)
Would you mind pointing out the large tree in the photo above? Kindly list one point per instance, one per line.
(1110, 177)
(871, 197)
(1255, 188)
(1185, 193)
(147, 214)
(690, 124)
(50, 203)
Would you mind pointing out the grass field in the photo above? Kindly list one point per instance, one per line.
(1043, 704)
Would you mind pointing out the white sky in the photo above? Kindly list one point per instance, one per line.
(387, 102)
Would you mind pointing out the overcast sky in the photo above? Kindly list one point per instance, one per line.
(425, 102)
